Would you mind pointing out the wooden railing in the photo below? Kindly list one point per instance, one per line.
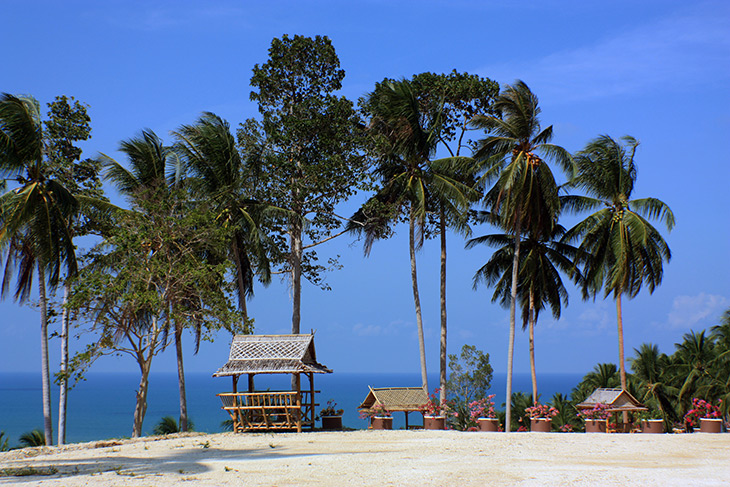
(271, 410)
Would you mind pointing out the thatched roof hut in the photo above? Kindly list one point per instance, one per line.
(616, 400)
(403, 399)
(272, 354)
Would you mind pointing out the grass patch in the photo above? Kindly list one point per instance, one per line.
(27, 471)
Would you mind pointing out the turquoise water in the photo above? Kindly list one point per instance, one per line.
(102, 406)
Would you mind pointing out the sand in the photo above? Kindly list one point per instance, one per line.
(394, 458)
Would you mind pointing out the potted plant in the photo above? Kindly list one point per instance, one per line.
(434, 413)
(380, 418)
(483, 413)
(541, 417)
(706, 415)
(331, 416)
(596, 418)
(651, 421)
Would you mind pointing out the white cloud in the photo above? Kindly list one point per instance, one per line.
(393, 328)
(682, 51)
(694, 312)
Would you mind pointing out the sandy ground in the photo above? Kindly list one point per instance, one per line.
(395, 458)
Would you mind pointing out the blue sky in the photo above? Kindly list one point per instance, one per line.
(656, 70)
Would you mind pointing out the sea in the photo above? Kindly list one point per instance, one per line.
(102, 406)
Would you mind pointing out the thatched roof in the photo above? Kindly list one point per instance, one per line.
(272, 354)
(396, 398)
(615, 399)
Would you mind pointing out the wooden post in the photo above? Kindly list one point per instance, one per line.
(250, 383)
(235, 383)
(311, 400)
(299, 402)
(406, 420)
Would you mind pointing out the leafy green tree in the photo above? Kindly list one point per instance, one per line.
(621, 250)
(470, 376)
(525, 195)
(721, 365)
(68, 122)
(149, 275)
(3, 441)
(308, 150)
(602, 375)
(34, 219)
(566, 419)
(539, 283)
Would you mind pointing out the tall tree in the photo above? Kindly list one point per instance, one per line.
(307, 145)
(525, 194)
(621, 250)
(405, 135)
(460, 97)
(34, 219)
(539, 283)
(68, 123)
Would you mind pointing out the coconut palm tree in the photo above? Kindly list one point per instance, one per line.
(539, 283)
(35, 219)
(406, 134)
(220, 176)
(621, 250)
(525, 195)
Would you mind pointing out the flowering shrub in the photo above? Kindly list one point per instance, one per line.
(599, 411)
(566, 428)
(702, 409)
(483, 408)
(377, 410)
(330, 409)
(433, 407)
(541, 411)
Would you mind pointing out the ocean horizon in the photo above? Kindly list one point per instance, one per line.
(102, 406)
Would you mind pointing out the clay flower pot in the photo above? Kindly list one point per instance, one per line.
(434, 422)
(381, 422)
(488, 424)
(652, 426)
(595, 425)
(710, 425)
(332, 423)
(541, 425)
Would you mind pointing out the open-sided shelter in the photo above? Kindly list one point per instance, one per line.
(271, 354)
(617, 400)
(395, 399)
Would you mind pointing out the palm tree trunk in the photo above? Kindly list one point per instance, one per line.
(511, 342)
(417, 299)
(621, 361)
(181, 380)
(63, 382)
(239, 281)
(45, 371)
(532, 346)
(442, 351)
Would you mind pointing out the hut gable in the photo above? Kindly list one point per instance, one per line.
(272, 354)
(396, 398)
(616, 399)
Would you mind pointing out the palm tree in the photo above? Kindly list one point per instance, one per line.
(221, 177)
(621, 250)
(651, 374)
(693, 367)
(34, 219)
(602, 376)
(406, 135)
(525, 195)
(539, 282)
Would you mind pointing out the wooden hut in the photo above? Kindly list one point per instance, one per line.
(396, 399)
(617, 400)
(271, 354)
